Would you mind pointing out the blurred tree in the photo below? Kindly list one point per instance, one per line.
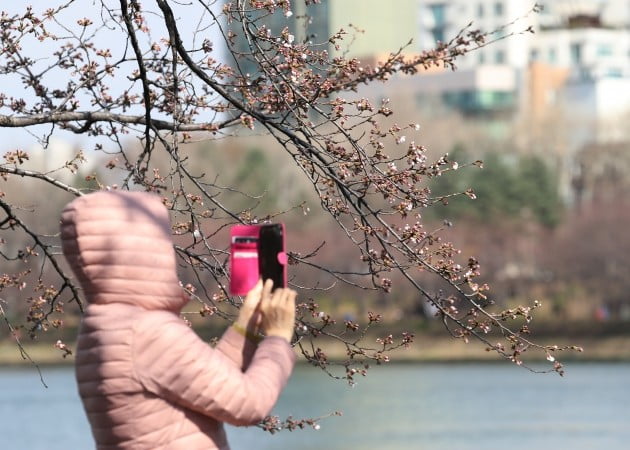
(252, 177)
(510, 187)
(537, 190)
(496, 189)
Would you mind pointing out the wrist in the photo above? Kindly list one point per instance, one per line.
(248, 320)
(284, 334)
(245, 324)
(247, 333)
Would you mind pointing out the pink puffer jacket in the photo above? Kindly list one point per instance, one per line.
(147, 381)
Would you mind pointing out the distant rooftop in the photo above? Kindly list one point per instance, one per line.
(584, 21)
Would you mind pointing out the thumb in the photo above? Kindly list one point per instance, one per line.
(253, 296)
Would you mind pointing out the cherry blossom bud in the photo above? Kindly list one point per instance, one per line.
(471, 194)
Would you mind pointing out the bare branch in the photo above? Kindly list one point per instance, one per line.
(92, 117)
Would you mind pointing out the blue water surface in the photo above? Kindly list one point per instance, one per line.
(413, 406)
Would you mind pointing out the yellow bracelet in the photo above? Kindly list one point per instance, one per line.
(244, 332)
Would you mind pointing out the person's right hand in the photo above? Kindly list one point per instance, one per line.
(278, 311)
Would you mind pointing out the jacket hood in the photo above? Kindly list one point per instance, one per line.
(119, 245)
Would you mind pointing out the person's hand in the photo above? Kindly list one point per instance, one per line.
(249, 316)
(278, 311)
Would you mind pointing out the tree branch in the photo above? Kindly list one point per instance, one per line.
(91, 117)
(40, 176)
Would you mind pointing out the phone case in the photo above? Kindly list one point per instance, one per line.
(244, 258)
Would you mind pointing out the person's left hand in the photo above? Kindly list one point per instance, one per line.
(249, 315)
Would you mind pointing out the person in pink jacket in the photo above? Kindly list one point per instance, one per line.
(146, 380)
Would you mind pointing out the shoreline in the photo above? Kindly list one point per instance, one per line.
(425, 348)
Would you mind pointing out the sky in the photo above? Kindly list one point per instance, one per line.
(110, 38)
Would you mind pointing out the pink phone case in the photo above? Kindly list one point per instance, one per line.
(244, 272)
(244, 255)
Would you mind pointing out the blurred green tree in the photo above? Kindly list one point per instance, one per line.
(509, 187)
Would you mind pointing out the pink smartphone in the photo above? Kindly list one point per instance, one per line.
(257, 251)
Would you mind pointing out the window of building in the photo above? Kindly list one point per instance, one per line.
(481, 58)
(480, 10)
(576, 53)
(604, 50)
(552, 55)
(438, 34)
(479, 101)
(438, 11)
(498, 9)
(534, 55)
(499, 57)
(614, 72)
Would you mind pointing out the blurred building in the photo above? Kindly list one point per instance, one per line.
(555, 81)
(380, 27)
(570, 89)
(442, 20)
(576, 63)
(578, 58)
(370, 27)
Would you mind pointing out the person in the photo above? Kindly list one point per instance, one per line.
(145, 378)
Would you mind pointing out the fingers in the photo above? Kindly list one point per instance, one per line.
(254, 295)
(286, 297)
(281, 297)
(267, 288)
(273, 311)
(278, 311)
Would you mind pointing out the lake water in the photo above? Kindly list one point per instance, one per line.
(415, 406)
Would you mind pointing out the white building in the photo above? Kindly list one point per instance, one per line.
(588, 38)
(613, 13)
(585, 43)
(441, 20)
(557, 26)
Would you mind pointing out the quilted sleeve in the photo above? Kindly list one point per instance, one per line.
(237, 347)
(171, 361)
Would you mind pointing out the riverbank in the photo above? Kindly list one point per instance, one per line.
(425, 348)
(429, 348)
